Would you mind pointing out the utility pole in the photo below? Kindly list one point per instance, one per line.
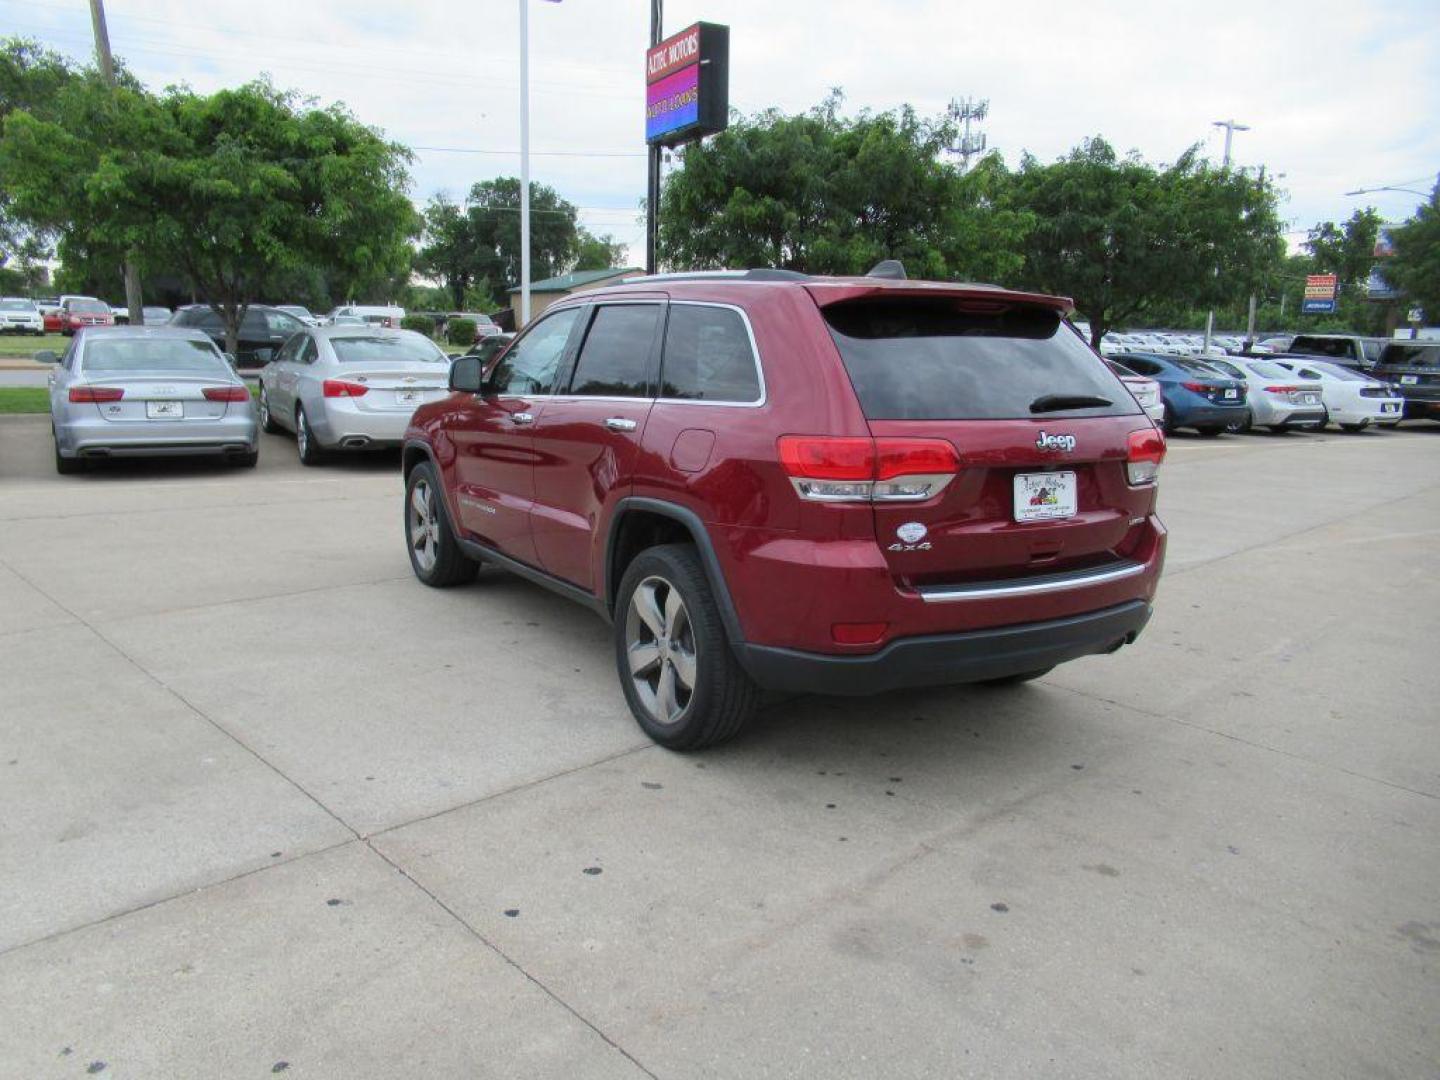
(133, 300)
(969, 145)
(524, 164)
(652, 189)
(1231, 126)
(1250, 323)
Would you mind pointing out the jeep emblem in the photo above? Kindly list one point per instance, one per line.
(1063, 443)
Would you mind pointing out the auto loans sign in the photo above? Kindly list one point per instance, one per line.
(687, 85)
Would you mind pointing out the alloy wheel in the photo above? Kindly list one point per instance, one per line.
(660, 645)
(302, 435)
(424, 523)
(264, 409)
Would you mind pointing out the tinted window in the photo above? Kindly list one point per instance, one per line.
(1228, 369)
(89, 307)
(1344, 374)
(615, 359)
(708, 356)
(152, 354)
(386, 348)
(1141, 366)
(925, 359)
(529, 367)
(1411, 355)
(308, 351)
(488, 347)
(1316, 346)
(1267, 370)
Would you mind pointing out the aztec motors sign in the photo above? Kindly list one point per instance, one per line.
(687, 85)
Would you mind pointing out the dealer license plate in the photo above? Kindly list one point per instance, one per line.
(1232, 392)
(409, 397)
(165, 410)
(1409, 380)
(1044, 496)
(1309, 399)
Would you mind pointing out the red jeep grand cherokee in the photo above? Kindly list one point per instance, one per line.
(771, 481)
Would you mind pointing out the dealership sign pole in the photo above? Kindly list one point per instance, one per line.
(687, 96)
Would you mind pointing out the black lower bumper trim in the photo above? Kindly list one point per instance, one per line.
(942, 659)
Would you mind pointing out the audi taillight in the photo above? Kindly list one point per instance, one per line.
(226, 393)
(862, 469)
(341, 388)
(1145, 450)
(96, 393)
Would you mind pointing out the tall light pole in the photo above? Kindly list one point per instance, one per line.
(133, 299)
(524, 163)
(1231, 126)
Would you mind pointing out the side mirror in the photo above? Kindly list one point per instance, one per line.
(46, 356)
(467, 375)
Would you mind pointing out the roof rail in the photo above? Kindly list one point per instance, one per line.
(757, 274)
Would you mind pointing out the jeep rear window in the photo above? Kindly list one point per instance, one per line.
(928, 359)
(1411, 356)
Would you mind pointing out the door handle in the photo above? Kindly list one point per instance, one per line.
(522, 418)
(619, 423)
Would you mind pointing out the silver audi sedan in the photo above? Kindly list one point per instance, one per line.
(350, 387)
(144, 391)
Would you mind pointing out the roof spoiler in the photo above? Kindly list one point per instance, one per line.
(890, 269)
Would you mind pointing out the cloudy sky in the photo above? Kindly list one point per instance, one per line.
(1338, 95)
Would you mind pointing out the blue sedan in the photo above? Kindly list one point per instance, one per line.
(1195, 394)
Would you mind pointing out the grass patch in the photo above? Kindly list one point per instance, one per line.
(24, 347)
(24, 399)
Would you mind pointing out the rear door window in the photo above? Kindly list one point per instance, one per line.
(615, 358)
(934, 359)
(709, 356)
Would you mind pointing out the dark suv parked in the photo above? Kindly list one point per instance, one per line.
(1413, 367)
(772, 481)
(262, 331)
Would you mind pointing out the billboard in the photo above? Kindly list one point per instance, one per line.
(1377, 288)
(687, 85)
(1319, 294)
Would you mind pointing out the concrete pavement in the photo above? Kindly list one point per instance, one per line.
(270, 805)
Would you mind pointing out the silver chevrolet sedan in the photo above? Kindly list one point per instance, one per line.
(143, 391)
(350, 387)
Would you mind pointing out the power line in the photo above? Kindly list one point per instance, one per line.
(534, 153)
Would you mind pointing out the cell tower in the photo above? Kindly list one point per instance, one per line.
(969, 145)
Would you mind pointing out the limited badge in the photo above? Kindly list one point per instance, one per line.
(912, 532)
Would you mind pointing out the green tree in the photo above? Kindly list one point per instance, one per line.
(1346, 250)
(1414, 269)
(1123, 238)
(449, 253)
(31, 78)
(823, 193)
(243, 190)
(596, 252)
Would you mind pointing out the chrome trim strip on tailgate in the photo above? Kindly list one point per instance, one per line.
(991, 590)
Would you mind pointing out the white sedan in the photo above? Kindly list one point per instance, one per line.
(1353, 399)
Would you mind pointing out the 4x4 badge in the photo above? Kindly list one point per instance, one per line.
(1065, 443)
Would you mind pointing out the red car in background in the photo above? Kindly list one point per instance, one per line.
(77, 312)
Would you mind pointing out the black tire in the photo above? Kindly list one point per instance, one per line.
(267, 419)
(1352, 428)
(1244, 424)
(723, 697)
(67, 466)
(1210, 431)
(305, 444)
(447, 564)
(1279, 429)
(1022, 677)
(1167, 423)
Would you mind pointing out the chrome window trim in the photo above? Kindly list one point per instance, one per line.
(758, 403)
(994, 590)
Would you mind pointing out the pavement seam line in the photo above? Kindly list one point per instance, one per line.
(55, 935)
(503, 955)
(527, 785)
(190, 705)
(1243, 741)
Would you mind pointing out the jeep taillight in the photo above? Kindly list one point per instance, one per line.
(1145, 452)
(862, 469)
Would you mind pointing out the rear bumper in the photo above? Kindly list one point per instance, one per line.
(104, 438)
(942, 659)
(343, 426)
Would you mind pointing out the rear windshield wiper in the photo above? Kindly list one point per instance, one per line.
(1056, 402)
